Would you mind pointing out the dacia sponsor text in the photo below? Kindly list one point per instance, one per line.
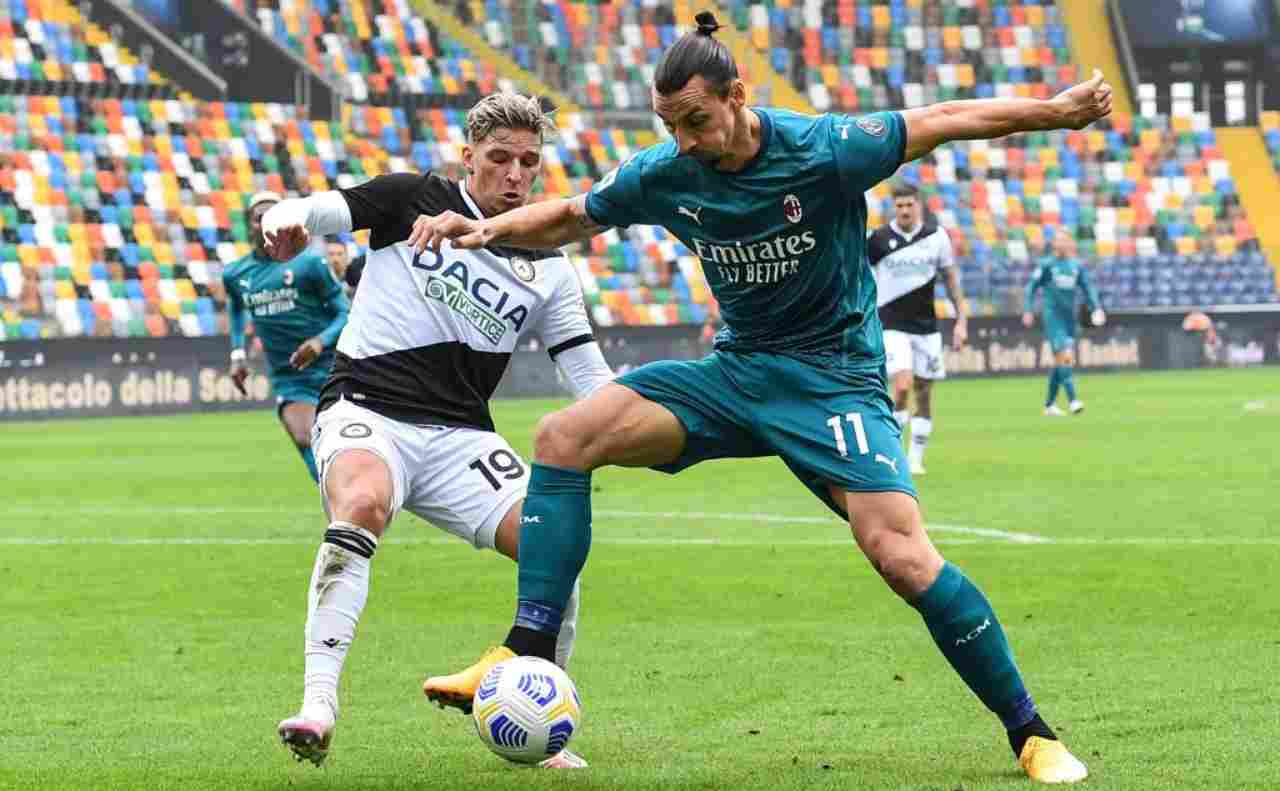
(481, 302)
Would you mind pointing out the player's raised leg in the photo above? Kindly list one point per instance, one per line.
(360, 497)
(507, 541)
(614, 425)
(890, 531)
(298, 417)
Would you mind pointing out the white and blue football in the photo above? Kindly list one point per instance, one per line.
(526, 709)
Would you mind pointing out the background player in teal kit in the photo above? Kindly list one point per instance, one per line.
(772, 203)
(298, 311)
(1060, 278)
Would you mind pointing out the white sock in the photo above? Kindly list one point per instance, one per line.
(921, 427)
(901, 416)
(568, 628)
(335, 599)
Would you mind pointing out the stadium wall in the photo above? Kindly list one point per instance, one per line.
(88, 377)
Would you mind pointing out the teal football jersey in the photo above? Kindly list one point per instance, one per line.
(287, 303)
(782, 241)
(1061, 278)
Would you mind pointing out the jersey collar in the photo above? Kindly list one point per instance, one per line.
(908, 236)
(471, 204)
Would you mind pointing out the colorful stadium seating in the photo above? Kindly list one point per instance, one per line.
(860, 56)
(49, 41)
(600, 54)
(116, 216)
(1137, 192)
(376, 49)
(121, 214)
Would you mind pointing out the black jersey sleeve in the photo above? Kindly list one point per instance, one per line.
(388, 205)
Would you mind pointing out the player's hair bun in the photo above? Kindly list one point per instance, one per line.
(707, 24)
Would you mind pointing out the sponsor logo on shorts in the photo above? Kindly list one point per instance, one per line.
(355, 431)
(888, 462)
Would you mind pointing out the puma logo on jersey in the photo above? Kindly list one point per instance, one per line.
(691, 213)
(888, 462)
(531, 520)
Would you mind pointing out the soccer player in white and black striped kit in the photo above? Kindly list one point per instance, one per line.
(404, 418)
(907, 255)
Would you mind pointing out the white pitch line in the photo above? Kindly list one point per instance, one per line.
(1004, 535)
(225, 541)
(1139, 541)
(976, 535)
(981, 532)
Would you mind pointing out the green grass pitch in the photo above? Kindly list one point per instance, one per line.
(154, 575)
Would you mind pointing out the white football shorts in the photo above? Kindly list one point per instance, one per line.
(922, 354)
(462, 480)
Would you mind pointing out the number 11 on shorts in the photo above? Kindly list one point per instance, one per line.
(859, 433)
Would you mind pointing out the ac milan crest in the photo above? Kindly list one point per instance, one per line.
(791, 208)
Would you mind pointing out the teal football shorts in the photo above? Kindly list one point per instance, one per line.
(829, 426)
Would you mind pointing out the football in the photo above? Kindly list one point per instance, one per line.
(526, 709)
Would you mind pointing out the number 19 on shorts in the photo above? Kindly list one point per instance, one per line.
(859, 433)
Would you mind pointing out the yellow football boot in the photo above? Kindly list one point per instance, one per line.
(1049, 761)
(458, 689)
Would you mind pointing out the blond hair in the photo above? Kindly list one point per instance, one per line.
(507, 111)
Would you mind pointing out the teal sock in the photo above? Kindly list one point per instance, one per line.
(310, 460)
(555, 537)
(1068, 379)
(966, 629)
(1053, 386)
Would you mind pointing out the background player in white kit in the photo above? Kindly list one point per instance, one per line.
(404, 419)
(907, 255)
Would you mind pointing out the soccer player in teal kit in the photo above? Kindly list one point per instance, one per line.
(772, 202)
(298, 311)
(1061, 278)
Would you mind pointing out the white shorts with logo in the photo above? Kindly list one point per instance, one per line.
(922, 354)
(462, 480)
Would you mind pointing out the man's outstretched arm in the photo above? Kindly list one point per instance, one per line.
(986, 119)
(539, 226)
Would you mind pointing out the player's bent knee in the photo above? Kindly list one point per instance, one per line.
(358, 489)
(556, 442)
(360, 506)
(891, 534)
(909, 570)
